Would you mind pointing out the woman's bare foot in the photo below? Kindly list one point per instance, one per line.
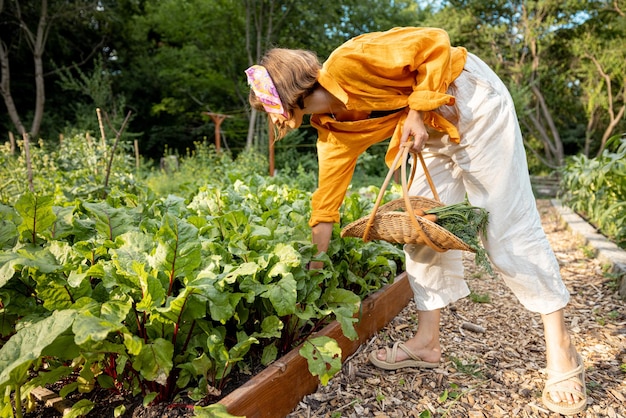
(561, 357)
(425, 343)
(430, 352)
(562, 360)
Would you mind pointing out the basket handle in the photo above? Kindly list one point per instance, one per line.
(412, 213)
(381, 193)
(409, 206)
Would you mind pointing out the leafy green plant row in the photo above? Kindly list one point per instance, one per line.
(596, 189)
(167, 296)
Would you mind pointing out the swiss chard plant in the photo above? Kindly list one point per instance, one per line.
(165, 296)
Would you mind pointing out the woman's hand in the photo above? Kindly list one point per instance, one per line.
(414, 127)
(322, 232)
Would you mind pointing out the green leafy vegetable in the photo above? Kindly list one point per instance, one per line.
(467, 222)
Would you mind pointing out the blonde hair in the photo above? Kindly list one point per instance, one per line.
(294, 73)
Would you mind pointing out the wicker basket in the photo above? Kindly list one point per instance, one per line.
(389, 223)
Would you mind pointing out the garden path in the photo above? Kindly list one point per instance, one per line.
(495, 373)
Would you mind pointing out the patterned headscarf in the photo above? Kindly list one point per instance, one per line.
(263, 86)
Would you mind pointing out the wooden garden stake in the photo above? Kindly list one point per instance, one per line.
(102, 136)
(271, 136)
(12, 142)
(118, 134)
(29, 166)
(217, 119)
(136, 143)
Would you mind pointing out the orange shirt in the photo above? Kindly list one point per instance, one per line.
(398, 69)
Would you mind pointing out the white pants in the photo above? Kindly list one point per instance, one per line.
(489, 165)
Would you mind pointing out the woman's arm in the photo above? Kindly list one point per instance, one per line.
(322, 232)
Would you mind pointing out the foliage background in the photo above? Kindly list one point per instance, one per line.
(170, 61)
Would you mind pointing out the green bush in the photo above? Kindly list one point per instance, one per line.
(77, 168)
(596, 189)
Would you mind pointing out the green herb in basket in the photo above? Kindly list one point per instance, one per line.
(467, 222)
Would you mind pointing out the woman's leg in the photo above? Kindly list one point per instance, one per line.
(436, 279)
(560, 353)
(425, 343)
(493, 161)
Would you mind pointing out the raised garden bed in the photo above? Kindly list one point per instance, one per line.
(276, 391)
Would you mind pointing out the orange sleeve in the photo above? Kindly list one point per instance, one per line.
(432, 65)
(339, 145)
(336, 167)
(335, 174)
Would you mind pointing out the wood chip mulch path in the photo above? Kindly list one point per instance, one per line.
(493, 351)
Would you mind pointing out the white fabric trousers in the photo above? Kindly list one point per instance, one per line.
(489, 165)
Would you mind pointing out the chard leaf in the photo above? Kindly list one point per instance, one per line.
(218, 352)
(178, 251)
(133, 343)
(80, 409)
(344, 304)
(270, 353)
(216, 410)
(230, 277)
(9, 219)
(110, 222)
(239, 350)
(222, 304)
(37, 215)
(56, 292)
(88, 327)
(132, 247)
(26, 345)
(271, 327)
(9, 262)
(63, 348)
(154, 362)
(287, 255)
(153, 293)
(64, 225)
(172, 312)
(323, 355)
(40, 259)
(115, 310)
(49, 377)
(283, 295)
(75, 279)
(195, 307)
(202, 365)
(253, 287)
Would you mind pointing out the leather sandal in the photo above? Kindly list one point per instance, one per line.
(390, 362)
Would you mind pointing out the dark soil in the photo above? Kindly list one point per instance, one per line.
(106, 401)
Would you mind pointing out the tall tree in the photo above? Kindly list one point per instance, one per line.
(29, 25)
(176, 61)
(521, 40)
(600, 73)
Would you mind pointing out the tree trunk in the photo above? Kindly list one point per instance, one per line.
(5, 89)
(608, 132)
(38, 50)
(553, 139)
(37, 43)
